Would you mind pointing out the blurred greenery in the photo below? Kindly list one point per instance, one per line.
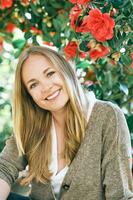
(47, 22)
(6, 79)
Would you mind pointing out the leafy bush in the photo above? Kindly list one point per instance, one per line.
(96, 35)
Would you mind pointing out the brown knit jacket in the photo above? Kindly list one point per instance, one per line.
(101, 168)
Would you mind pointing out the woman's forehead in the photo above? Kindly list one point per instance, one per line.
(37, 63)
(38, 60)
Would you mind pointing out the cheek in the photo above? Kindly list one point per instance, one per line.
(37, 100)
(58, 79)
(35, 95)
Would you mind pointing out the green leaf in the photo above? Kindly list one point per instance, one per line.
(130, 123)
(130, 80)
(124, 88)
(56, 4)
(27, 35)
(1, 60)
(17, 53)
(106, 8)
(19, 43)
(83, 46)
(120, 17)
(49, 9)
(45, 29)
(108, 78)
(68, 5)
(84, 64)
(57, 24)
(1, 89)
(117, 3)
(35, 40)
(126, 60)
(57, 40)
(34, 9)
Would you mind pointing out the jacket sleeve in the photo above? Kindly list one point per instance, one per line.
(117, 159)
(10, 162)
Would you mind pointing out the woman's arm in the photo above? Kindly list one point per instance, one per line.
(10, 162)
(4, 190)
(116, 162)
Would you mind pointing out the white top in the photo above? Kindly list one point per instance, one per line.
(57, 178)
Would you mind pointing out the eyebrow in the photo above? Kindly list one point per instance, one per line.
(33, 79)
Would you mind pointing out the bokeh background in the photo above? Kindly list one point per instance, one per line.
(95, 35)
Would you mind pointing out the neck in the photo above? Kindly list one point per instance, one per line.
(59, 118)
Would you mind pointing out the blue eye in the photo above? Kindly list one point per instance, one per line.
(50, 73)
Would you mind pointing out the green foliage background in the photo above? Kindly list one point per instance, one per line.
(111, 81)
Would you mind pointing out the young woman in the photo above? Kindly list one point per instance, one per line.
(76, 147)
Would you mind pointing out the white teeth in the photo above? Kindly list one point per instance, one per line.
(54, 95)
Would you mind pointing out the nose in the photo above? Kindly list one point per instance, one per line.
(46, 87)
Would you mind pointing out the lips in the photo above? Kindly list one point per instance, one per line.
(53, 95)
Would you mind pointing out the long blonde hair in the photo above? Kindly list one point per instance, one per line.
(32, 124)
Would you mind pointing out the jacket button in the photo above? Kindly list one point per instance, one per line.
(66, 187)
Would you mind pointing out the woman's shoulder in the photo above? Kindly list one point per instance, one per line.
(107, 108)
(106, 113)
(111, 117)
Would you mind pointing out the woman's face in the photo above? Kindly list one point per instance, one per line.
(44, 83)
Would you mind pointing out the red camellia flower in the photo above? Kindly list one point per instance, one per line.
(75, 23)
(6, 3)
(25, 2)
(100, 25)
(10, 27)
(36, 30)
(71, 50)
(131, 55)
(80, 1)
(75, 13)
(98, 52)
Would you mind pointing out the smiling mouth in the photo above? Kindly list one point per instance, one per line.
(54, 95)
